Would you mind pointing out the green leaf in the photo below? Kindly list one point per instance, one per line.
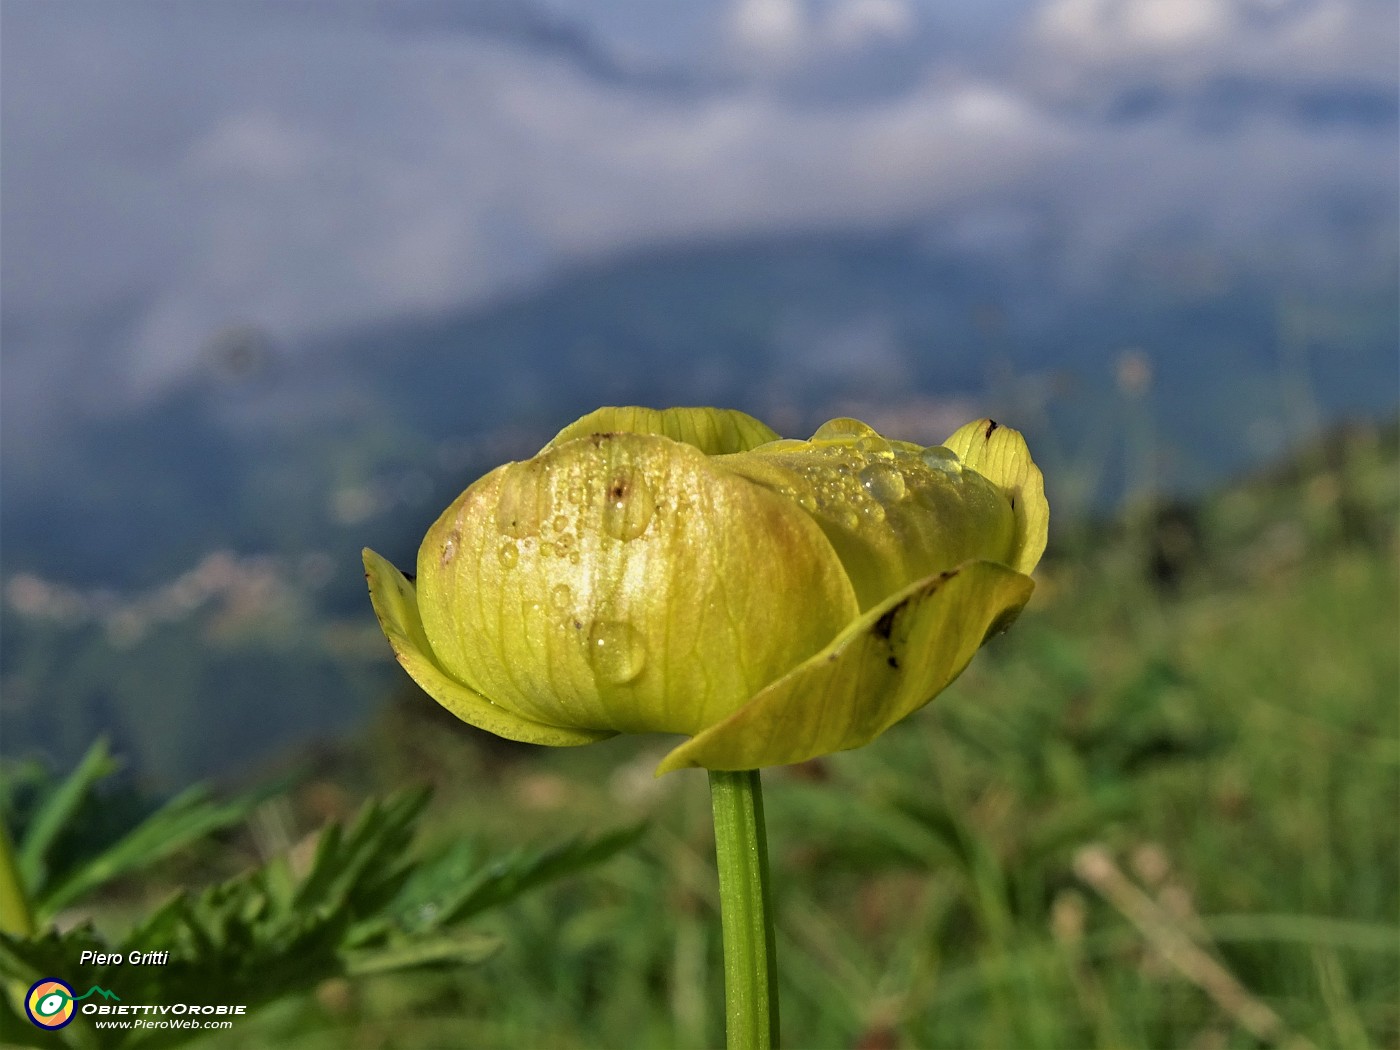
(17, 1031)
(464, 949)
(183, 820)
(27, 959)
(58, 809)
(429, 900)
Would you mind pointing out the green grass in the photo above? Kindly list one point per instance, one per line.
(1232, 742)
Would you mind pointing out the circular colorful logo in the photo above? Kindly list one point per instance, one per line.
(49, 1003)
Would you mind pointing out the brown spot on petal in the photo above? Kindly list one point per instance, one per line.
(884, 626)
(992, 424)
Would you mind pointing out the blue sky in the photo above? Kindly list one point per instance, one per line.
(171, 169)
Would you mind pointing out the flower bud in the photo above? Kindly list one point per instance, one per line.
(686, 571)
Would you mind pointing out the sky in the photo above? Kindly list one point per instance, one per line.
(171, 169)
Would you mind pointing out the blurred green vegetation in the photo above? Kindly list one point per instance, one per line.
(1161, 811)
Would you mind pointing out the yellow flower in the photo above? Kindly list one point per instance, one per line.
(686, 571)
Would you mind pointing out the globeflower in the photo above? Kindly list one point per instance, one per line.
(687, 571)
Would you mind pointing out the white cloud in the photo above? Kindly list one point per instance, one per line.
(187, 172)
(1184, 41)
(781, 34)
(771, 28)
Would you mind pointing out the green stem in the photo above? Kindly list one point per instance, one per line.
(15, 914)
(750, 960)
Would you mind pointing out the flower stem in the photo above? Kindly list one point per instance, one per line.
(750, 960)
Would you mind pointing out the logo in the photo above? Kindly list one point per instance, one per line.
(49, 1002)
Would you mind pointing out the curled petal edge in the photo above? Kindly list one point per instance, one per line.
(1000, 455)
(395, 601)
(714, 431)
(881, 668)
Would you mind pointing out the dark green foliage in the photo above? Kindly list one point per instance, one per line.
(73, 839)
(463, 883)
(360, 904)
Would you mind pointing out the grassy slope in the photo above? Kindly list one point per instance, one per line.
(1233, 744)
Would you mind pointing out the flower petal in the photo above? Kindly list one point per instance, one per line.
(626, 581)
(889, 663)
(1000, 455)
(396, 605)
(714, 431)
(894, 512)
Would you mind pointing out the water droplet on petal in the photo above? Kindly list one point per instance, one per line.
(883, 482)
(616, 651)
(629, 507)
(873, 511)
(560, 523)
(875, 446)
(508, 554)
(946, 460)
(560, 596)
(843, 430)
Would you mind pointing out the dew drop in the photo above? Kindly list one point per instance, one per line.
(560, 596)
(873, 511)
(874, 445)
(943, 459)
(560, 523)
(629, 507)
(508, 554)
(844, 430)
(574, 557)
(883, 482)
(616, 651)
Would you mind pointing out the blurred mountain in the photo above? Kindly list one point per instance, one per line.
(357, 437)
